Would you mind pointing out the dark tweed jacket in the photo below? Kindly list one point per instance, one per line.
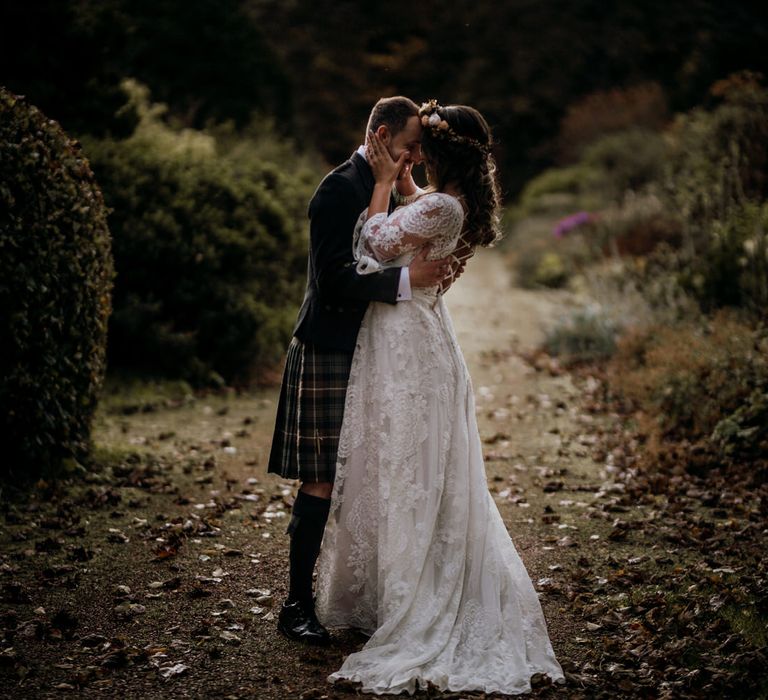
(337, 296)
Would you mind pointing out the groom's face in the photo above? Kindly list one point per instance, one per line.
(407, 140)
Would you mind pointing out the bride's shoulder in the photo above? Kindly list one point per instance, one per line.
(441, 200)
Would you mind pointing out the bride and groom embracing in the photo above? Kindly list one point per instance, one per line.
(377, 419)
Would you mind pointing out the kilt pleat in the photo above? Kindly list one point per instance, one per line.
(309, 413)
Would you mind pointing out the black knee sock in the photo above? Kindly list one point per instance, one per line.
(310, 514)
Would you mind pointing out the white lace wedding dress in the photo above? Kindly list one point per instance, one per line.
(415, 552)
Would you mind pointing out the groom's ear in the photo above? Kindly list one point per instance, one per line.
(384, 133)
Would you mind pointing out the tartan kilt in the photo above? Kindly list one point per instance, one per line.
(309, 413)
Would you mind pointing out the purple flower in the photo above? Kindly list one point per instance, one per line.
(571, 222)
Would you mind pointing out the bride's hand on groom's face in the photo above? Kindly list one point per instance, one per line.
(385, 170)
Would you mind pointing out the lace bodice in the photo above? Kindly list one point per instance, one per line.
(386, 240)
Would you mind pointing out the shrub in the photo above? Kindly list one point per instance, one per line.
(637, 226)
(627, 160)
(210, 245)
(55, 280)
(733, 269)
(638, 292)
(560, 190)
(612, 169)
(694, 382)
(600, 113)
(744, 433)
(718, 158)
(587, 335)
(716, 179)
(541, 260)
(550, 270)
(697, 207)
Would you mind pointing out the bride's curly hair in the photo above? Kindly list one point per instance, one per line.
(456, 144)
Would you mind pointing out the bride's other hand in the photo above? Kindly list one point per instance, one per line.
(385, 170)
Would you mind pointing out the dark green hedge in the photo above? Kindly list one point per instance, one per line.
(55, 280)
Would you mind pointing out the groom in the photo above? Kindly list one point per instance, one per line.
(319, 358)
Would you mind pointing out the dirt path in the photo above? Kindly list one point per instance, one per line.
(163, 580)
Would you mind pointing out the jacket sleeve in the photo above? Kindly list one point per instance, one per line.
(333, 214)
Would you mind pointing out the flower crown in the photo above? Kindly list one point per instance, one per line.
(431, 119)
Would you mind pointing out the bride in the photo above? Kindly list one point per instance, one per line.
(416, 553)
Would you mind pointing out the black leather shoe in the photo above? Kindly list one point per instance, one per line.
(299, 622)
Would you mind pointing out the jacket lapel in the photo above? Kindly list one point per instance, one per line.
(364, 171)
(366, 178)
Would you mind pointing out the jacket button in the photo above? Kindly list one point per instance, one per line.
(327, 307)
(341, 309)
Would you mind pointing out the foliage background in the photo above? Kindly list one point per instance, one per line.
(209, 244)
(628, 111)
(318, 66)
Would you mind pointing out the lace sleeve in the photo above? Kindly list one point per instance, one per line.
(435, 217)
(367, 263)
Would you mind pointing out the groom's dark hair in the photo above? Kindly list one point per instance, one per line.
(392, 111)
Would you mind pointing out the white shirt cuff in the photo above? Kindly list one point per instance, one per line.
(404, 288)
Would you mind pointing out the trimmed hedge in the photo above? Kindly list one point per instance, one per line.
(55, 280)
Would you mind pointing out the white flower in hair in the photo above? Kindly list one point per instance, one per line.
(430, 118)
